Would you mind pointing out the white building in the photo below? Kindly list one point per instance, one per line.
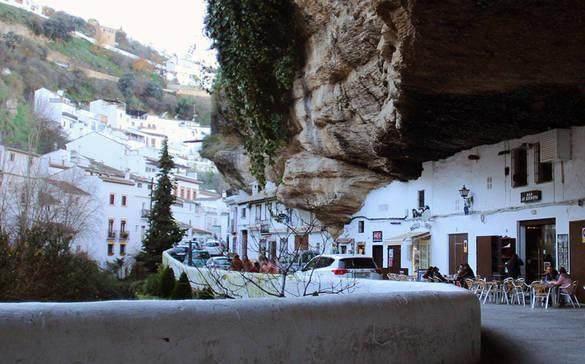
(136, 130)
(525, 195)
(28, 5)
(261, 225)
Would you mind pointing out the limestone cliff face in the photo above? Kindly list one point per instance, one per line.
(388, 84)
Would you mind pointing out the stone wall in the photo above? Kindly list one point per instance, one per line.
(394, 327)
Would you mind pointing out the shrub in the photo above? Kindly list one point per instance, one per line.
(182, 289)
(167, 283)
(152, 284)
(205, 294)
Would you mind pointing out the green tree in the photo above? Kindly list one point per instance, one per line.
(163, 231)
(167, 283)
(185, 109)
(182, 289)
(154, 90)
(126, 85)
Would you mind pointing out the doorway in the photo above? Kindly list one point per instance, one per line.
(492, 252)
(539, 247)
(244, 243)
(393, 259)
(378, 255)
(577, 254)
(457, 251)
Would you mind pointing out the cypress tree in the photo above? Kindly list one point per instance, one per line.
(167, 283)
(182, 289)
(163, 231)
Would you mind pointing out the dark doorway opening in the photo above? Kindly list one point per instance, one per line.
(457, 251)
(577, 249)
(492, 254)
(393, 259)
(539, 247)
(378, 255)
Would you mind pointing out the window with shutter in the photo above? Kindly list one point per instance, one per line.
(543, 171)
(519, 167)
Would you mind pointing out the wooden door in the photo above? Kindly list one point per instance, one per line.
(378, 255)
(393, 259)
(244, 243)
(577, 255)
(457, 251)
(484, 255)
(301, 242)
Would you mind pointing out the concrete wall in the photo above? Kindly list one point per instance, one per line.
(395, 327)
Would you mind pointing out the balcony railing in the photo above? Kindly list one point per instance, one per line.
(124, 235)
(111, 235)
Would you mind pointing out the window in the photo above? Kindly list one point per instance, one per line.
(543, 171)
(12, 156)
(519, 167)
(421, 199)
(188, 194)
(124, 201)
(361, 226)
(110, 225)
(139, 185)
(258, 212)
(110, 249)
(182, 193)
(112, 199)
(243, 212)
(123, 226)
(489, 183)
(122, 249)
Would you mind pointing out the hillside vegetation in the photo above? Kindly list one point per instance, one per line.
(37, 52)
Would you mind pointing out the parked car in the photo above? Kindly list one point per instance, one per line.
(343, 266)
(297, 261)
(199, 258)
(213, 247)
(179, 252)
(219, 263)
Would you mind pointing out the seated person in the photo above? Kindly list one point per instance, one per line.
(550, 274)
(564, 280)
(465, 273)
(433, 274)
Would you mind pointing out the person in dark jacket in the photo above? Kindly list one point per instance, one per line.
(513, 266)
(550, 274)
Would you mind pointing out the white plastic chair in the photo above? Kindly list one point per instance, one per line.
(569, 291)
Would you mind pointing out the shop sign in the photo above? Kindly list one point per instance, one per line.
(531, 196)
(377, 236)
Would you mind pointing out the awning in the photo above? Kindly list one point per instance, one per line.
(344, 241)
(398, 239)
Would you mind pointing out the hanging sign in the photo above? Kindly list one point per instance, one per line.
(377, 236)
(531, 196)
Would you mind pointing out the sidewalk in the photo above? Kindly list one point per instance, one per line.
(517, 334)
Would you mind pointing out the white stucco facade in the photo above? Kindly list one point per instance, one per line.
(496, 209)
(261, 225)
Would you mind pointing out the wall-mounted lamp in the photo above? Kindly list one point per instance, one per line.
(467, 199)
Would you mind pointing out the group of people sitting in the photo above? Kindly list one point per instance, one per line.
(464, 272)
(263, 265)
(558, 279)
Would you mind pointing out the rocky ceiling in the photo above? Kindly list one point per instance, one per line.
(387, 85)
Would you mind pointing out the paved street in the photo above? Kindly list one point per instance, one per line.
(517, 334)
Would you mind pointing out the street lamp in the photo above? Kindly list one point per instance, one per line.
(464, 192)
(467, 199)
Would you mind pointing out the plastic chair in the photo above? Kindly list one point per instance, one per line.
(519, 292)
(507, 291)
(570, 293)
(540, 293)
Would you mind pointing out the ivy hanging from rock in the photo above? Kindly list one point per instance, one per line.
(258, 57)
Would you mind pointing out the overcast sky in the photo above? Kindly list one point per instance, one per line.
(172, 25)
